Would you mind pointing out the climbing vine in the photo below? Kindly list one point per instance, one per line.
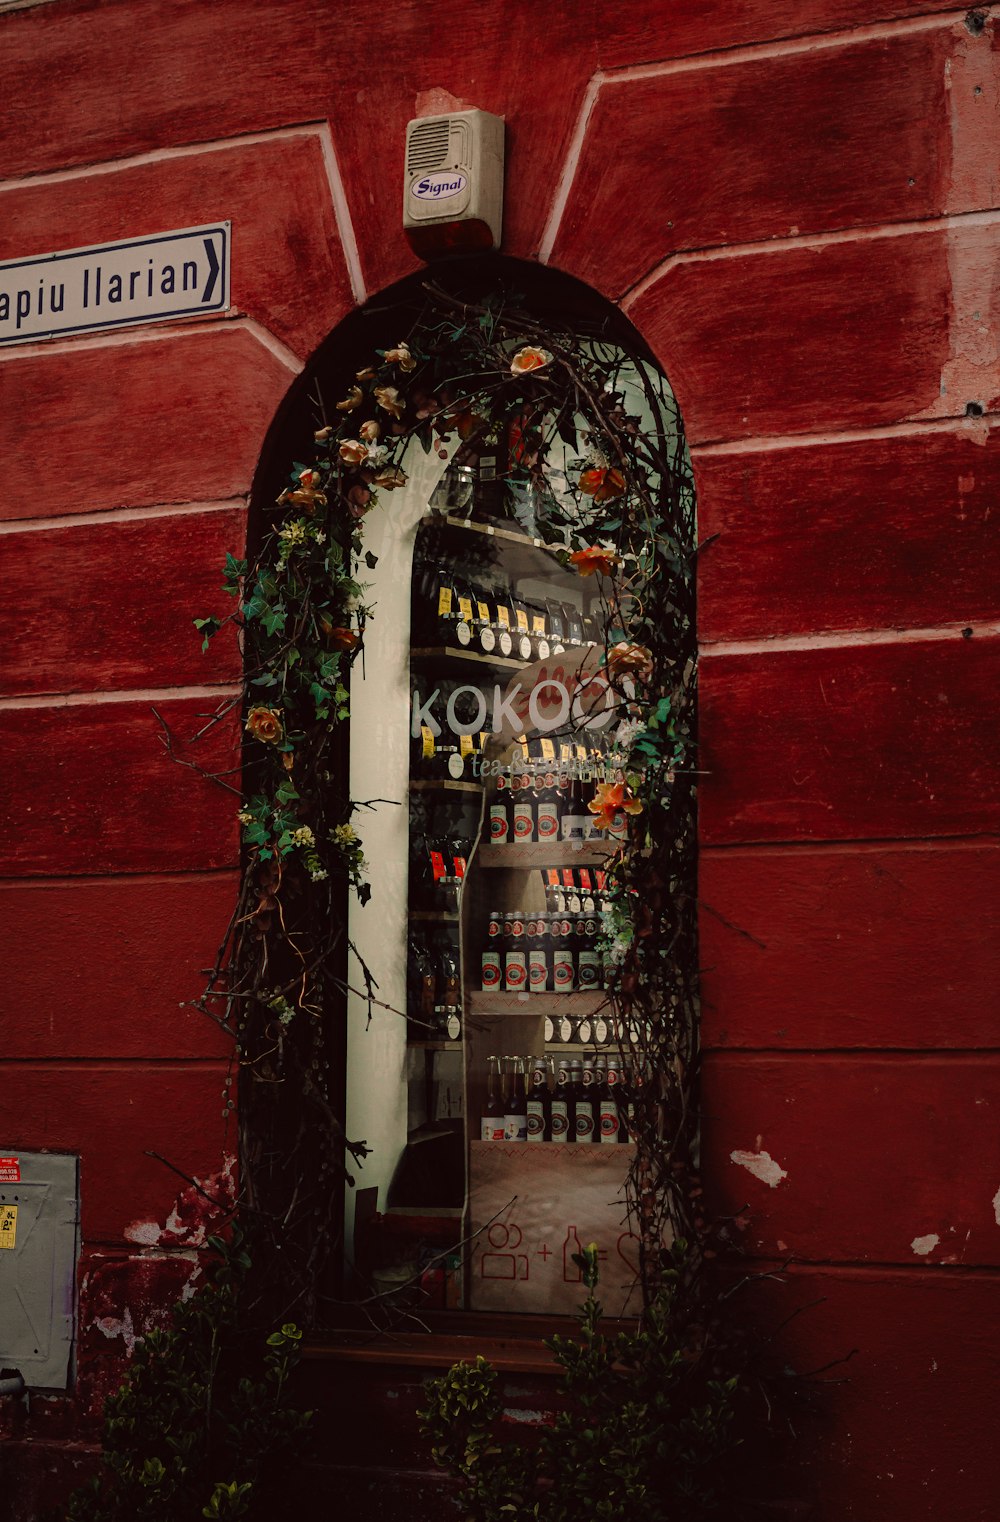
(595, 456)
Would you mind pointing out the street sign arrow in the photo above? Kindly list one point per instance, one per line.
(213, 268)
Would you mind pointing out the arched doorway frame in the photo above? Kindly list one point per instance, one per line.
(667, 1125)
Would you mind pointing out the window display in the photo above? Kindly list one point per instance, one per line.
(510, 1040)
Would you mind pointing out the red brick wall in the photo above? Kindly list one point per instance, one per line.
(796, 208)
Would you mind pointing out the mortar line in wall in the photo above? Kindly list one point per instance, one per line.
(162, 155)
(846, 638)
(568, 175)
(929, 1053)
(855, 845)
(95, 1063)
(342, 214)
(128, 695)
(956, 423)
(113, 515)
(153, 332)
(931, 1268)
(712, 58)
(778, 47)
(182, 876)
(868, 233)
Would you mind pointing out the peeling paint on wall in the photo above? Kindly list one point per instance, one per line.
(762, 1165)
(924, 1245)
(195, 1213)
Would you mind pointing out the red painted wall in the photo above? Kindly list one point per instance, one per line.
(798, 210)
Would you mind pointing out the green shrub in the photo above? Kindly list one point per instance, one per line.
(202, 1422)
(647, 1432)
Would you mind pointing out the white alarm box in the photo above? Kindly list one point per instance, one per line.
(453, 183)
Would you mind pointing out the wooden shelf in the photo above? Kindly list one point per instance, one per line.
(553, 1048)
(488, 530)
(448, 916)
(443, 785)
(558, 853)
(594, 1148)
(538, 1005)
(466, 657)
(435, 1046)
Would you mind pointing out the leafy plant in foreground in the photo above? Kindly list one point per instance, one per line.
(203, 1420)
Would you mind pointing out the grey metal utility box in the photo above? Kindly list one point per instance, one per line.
(39, 1210)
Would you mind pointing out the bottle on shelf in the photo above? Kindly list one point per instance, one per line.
(563, 964)
(539, 632)
(504, 625)
(515, 958)
(516, 1104)
(588, 956)
(557, 627)
(484, 638)
(523, 648)
(611, 1128)
(539, 1101)
(449, 980)
(583, 1123)
(524, 813)
(546, 790)
(493, 1117)
(563, 1111)
(502, 813)
(421, 989)
(574, 624)
(447, 609)
(492, 956)
(540, 954)
(463, 627)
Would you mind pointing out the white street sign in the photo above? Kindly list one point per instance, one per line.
(113, 285)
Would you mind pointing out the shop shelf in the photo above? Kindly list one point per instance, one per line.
(539, 1005)
(557, 853)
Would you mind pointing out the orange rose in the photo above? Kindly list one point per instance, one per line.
(625, 659)
(594, 559)
(353, 451)
(369, 432)
(305, 498)
(529, 358)
(610, 800)
(602, 484)
(265, 725)
(353, 399)
(389, 400)
(390, 478)
(343, 639)
(401, 356)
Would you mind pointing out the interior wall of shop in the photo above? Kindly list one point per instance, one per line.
(796, 207)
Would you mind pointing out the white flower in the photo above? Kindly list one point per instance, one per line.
(303, 836)
(245, 817)
(319, 875)
(344, 835)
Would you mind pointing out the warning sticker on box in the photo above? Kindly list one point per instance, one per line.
(8, 1225)
(10, 1170)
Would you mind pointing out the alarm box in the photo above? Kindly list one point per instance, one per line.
(453, 184)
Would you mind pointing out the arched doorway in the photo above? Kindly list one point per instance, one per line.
(482, 558)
